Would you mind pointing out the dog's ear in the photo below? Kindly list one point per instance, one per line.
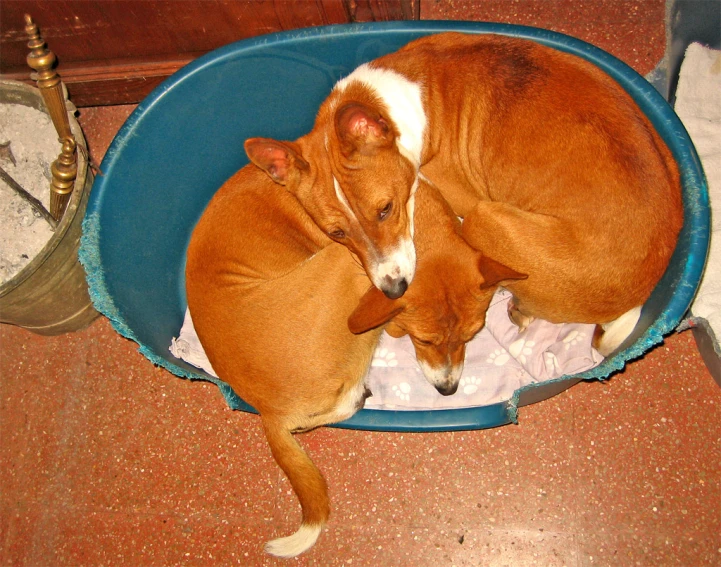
(495, 273)
(361, 129)
(278, 159)
(373, 310)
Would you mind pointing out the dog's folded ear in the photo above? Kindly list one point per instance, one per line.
(494, 273)
(374, 309)
(362, 129)
(278, 159)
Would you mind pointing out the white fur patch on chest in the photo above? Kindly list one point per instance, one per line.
(404, 102)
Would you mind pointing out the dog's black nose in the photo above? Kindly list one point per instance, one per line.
(448, 389)
(395, 288)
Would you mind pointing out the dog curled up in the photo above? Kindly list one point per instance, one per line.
(272, 299)
(556, 171)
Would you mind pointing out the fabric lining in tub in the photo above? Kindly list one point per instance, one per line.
(499, 361)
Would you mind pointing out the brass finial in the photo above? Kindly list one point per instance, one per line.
(65, 168)
(64, 171)
(42, 61)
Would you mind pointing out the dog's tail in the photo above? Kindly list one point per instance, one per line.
(309, 486)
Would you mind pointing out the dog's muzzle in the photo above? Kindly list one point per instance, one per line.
(444, 379)
(394, 288)
(447, 389)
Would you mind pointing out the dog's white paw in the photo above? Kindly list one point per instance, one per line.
(469, 384)
(402, 391)
(384, 358)
(499, 357)
(521, 349)
(573, 338)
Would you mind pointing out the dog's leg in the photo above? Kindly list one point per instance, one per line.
(556, 255)
(609, 336)
(517, 317)
(351, 401)
(507, 233)
(530, 243)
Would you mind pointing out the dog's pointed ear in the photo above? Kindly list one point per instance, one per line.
(278, 159)
(374, 309)
(494, 273)
(362, 129)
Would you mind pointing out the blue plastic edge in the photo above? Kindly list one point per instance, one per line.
(653, 104)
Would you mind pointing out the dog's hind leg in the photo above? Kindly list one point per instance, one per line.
(509, 234)
(566, 282)
(351, 401)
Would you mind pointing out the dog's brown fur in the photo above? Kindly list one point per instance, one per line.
(446, 304)
(270, 300)
(564, 177)
(377, 225)
(556, 170)
(270, 297)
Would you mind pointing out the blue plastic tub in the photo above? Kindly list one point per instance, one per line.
(186, 139)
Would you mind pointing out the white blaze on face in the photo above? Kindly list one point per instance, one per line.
(411, 209)
(398, 263)
(404, 256)
(343, 200)
(441, 377)
(456, 372)
(404, 100)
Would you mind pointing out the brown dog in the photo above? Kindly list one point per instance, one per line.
(556, 170)
(270, 302)
(270, 296)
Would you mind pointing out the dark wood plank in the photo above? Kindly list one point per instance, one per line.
(115, 52)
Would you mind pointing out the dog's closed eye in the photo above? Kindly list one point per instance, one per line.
(385, 211)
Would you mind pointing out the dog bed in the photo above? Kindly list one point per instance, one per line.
(698, 104)
(186, 139)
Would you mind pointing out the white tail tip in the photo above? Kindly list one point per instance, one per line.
(615, 332)
(295, 544)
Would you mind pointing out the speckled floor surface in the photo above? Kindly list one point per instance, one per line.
(107, 460)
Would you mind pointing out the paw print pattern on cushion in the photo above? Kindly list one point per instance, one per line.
(384, 358)
(521, 349)
(573, 338)
(469, 384)
(499, 357)
(552, 366)
(403, 391)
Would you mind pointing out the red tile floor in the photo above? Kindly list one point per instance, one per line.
(108, 460)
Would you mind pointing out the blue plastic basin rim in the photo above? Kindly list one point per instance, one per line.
(696, 202)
